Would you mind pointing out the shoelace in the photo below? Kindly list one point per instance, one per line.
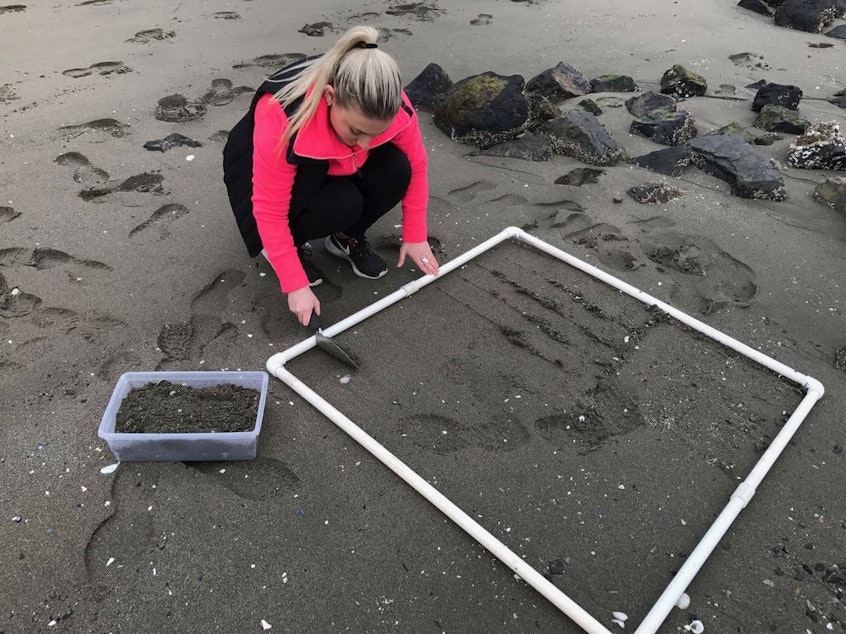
(360, 247)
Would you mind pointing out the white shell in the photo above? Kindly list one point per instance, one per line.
(684, 601)
(620, 616)
(110, 469)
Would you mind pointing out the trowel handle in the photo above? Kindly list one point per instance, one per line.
(314, 322)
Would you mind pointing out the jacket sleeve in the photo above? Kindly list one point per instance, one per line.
(416, 199)
(273, 179)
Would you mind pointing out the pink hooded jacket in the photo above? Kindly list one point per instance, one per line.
(273, 177)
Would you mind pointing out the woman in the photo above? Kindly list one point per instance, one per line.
(334, 148)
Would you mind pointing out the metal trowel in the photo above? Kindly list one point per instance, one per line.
(325, 343)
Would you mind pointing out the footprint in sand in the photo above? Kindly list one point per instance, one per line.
(13, 8)
(144, 183)
(161, 219)
(227, 15)
(472, 191)
(444, 435)
(144, 37)
(483, 20)
(126, 540)
(7, 214)
(83, 171)
(109, 126)
(95, 3)
(708, 277)
(222, 92)
(188, 341)
(386, 34)
(425, 12)
(7, 94)
(257, 480)
(277, 60)
(102, 68)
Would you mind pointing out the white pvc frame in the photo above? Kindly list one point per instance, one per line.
(738, 500)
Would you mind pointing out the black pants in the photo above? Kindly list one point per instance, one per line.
(351, 204)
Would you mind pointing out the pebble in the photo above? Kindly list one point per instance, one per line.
(684, 601)
(346, 378)
(620, 616)
(16, 519)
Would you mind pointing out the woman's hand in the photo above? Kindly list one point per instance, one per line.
(302, 302)
(421, 254)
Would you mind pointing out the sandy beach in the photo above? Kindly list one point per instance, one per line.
(594, 437)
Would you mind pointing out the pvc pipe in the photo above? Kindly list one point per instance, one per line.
(739, 499)
(468, 524)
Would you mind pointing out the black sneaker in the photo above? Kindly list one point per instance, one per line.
(365, 262)
(314, 274)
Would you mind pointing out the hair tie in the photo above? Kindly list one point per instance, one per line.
(369, 45)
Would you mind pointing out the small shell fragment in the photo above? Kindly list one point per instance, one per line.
(265, 625)
(346, 378)
(110, 469)
(620, 616)
(684, 601)
(696, 627)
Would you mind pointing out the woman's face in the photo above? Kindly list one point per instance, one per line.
(351, 126)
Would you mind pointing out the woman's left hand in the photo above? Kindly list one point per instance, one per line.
(421, 254)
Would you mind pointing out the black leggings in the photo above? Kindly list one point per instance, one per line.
(351, 204)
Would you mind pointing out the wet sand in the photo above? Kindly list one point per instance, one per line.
(126, 259)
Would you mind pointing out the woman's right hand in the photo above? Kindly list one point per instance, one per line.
(302, 302)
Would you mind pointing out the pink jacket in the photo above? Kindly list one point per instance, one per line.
(273, 177)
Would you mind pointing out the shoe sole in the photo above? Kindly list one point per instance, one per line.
(338, 253)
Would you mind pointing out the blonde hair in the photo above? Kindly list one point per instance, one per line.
(362, 76)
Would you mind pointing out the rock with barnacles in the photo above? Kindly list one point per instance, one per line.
(777, 94)
(483, 109)
(832, 192)
(682, 82)
(559, 83)
(820, 147)
(781, 119)
(653, 193)
(730, 158)
(647, 102)
(579, 134)
(665, 126)
(809, 15)
(431, 82)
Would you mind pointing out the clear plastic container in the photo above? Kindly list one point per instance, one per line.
(183, 446)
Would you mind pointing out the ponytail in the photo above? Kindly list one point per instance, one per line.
(362, 76)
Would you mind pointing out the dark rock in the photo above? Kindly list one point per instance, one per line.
(838, 100)
(756, 5)
(648, 101)
(483, 109)
(665, 126)
(653, 193)
(756, 85)
(779, 95)
(580, 135)
(682, 82)
(671, 161)
(431, 82)
(613, 83)
(749, 136)
(832, 192)
(809, 15)
(177, 109)
(780, 119)
(840, 361)
(529, 147)
(170, 141)
(589, 105)
(820, 147)
(559, 83)
(730, 158)
(580, 176)
(838, 32)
